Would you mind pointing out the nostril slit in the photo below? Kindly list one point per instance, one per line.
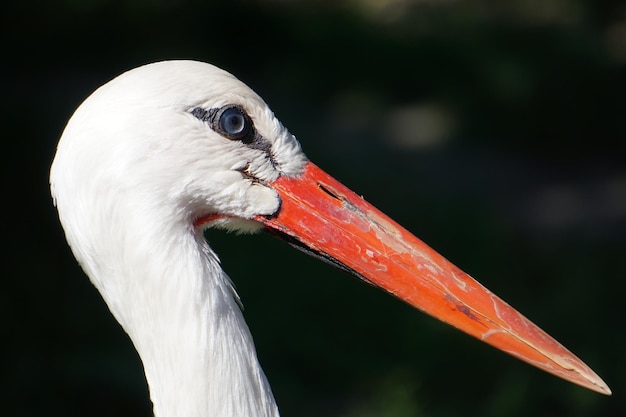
(329, 191)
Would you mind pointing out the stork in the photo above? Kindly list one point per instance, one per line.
(162, 152)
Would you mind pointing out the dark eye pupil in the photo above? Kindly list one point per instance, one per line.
(233, 121)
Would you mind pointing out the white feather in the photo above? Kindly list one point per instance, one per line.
(133, 171)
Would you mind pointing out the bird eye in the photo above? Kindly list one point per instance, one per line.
(232, 122)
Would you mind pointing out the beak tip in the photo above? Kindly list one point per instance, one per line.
(580, 374)
(599, 386)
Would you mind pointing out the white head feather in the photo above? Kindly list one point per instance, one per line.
(133, 170)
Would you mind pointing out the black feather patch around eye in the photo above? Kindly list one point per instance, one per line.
(232, 122)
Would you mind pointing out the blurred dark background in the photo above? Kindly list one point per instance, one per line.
(493, 130)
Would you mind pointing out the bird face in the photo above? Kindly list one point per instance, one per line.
(184, 139)
(262, 151)
(191, 147)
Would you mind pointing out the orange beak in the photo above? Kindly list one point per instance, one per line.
(325, 219)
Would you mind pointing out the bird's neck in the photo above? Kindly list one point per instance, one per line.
(180, 311)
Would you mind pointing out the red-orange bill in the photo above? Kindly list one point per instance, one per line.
(321, 216)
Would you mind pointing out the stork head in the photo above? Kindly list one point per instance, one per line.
(186, 136)
(194, 147)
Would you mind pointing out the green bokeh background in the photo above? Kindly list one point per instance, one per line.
(493, 130)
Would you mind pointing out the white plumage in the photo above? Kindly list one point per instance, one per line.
(133, 171)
